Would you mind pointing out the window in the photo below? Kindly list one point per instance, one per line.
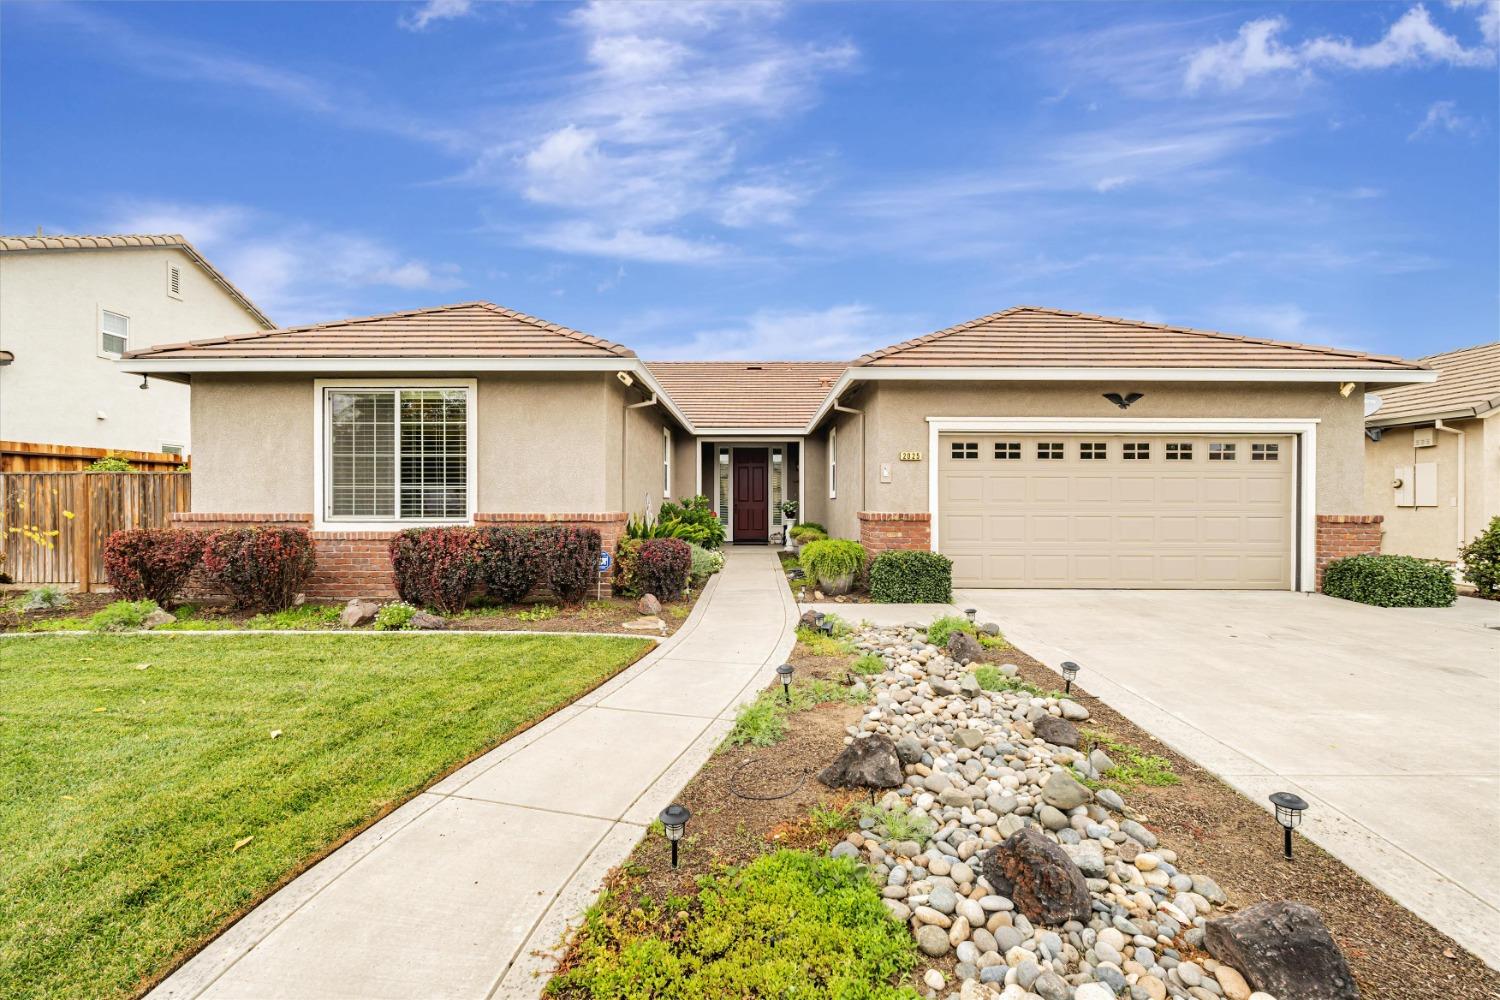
(1137, 451)
(724, 486)
(114, 334)
(174, 281)
(1265, 452)
(778, 484)
(1221, 451)
(1007, 451)
(1093, 450)
(833, 463)
(1179, 451)
(666, 463)
(1048, 450)
(171, 449)
(964, 450)
(397, 454)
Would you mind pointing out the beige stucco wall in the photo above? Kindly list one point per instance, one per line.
(252, 444)
(897, 413)
(684, 465)
(840, 513)
(58, 385)
(1433, 532)
(543, 444)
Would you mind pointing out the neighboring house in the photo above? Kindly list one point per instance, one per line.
(1432, 461)
(1037, 448)
(72, 305)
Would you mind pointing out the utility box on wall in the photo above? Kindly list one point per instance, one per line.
(1415, 485)
(1423, 437)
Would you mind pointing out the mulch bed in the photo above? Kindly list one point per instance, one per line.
(1394, 954)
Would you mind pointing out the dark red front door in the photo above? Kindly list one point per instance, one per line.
(750, 507)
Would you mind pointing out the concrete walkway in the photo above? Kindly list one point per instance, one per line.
(453, 893)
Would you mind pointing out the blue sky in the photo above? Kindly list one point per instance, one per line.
(780, 181)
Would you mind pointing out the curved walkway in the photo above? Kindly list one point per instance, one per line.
(454, 893)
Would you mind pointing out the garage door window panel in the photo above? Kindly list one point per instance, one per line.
(1221, 451)
(1007, 451)
(965, 451)
(1136, 451)
(1179, 451)
(1093, 451)
(1050, 451)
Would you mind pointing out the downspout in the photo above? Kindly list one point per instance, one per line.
(840, 408)
(624, 450)
(1463, 481)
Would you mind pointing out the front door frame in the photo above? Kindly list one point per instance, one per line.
(752, 440)
(1304, 539)
(764, 461)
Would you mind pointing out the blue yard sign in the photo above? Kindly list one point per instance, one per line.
(605, 560)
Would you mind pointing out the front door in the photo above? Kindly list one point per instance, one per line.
(750, 507)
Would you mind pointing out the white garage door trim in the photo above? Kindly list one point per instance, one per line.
(1306, 432)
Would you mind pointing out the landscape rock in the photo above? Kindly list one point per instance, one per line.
(427, 621)
(1282, 948)
(964, 648)
(1063, 791)
(358, 612)
(909, 749)
(933, 940)
(648, 605)
(1036, 875)
(646, 623)
(865, 763)
(1072, 711)
(158, 617)
(1058, 732)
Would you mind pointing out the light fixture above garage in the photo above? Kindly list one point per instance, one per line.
(1123, 401)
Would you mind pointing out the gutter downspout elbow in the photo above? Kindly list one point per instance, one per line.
(841, 408)
(1463, 480)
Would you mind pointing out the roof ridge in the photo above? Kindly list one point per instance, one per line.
(587, 338)
(928, 338)
(781, 361)
(1489, 344)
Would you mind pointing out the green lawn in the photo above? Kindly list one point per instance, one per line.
(134, 769)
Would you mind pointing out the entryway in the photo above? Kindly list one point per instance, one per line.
(747, 480)
(750, 506)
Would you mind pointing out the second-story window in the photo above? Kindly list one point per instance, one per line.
(114, 333)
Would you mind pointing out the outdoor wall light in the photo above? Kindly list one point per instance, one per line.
(675, 818)
(785, 673)
(1070, 671)
(1289, 810)
(970, 613)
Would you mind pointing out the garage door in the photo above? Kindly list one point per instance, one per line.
(1145, 511)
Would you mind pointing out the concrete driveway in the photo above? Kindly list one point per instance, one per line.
(1387, 721)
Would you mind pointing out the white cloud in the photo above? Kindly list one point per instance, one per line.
(757, 204)
(435, 10)
(1444, 116)
(1413, 40)
(1107, 184)
(1489, 17)
(838, 333)
(579, 236)
(296, 272)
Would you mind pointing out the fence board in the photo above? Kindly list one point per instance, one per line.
(29, 456)
(42, 543)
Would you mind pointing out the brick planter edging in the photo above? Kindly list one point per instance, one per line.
(882, 530)
(1344, 535)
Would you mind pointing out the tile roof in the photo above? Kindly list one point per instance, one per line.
(15, 244)
(464, 330)
(1468, 384)
(1034, 337)
(747, 393)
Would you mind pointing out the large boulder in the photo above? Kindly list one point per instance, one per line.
(427, 621)
(964, 648)
(648, 605)
(1284, 949)
(157, 618)
(870, 762)
(1038, 876)
(358, 612)
(1058, 732)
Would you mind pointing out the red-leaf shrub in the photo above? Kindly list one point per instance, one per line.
(262, 567)
(436, 568)
(662, 567)
(570, 561)
(151, 563)
(510, 561)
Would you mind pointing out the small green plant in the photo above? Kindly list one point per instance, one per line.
(991, 679)
(394, 617)
(706, 563)
(45, 599)
(1132, 768)
(1390, 581)
(809, 526)
(818, 644)
(538, 613)
(297, 617)
(993, 641)
(911, 576)
(121, 616)
(869, 664)
(761, 723)
(833, 563)
(898, 824)
(1481, 560)
(789, 509)
(110, 463)
(830, 819)
(941, 628)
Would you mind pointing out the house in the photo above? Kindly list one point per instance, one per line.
(1037, 448)
(72, 305)
(1432, 458)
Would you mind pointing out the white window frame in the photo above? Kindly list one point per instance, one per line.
(833, 463)
(666, 463)
(167, 446)
(174, 266)
(321, 520)
(99, 347)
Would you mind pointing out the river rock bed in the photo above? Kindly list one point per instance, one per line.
(977, 769)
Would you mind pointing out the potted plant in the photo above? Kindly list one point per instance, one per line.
(833, 563)
(789, 521)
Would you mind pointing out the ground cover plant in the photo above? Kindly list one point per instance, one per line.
(156, 786)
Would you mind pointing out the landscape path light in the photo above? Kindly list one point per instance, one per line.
(970, 613)
(1289, 810)
(785, 673)
(674, 819)
(1070, 671)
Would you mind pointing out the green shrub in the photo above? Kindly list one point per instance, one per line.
(808, 526)
(898, 824)
(110, 463)
(693, 520)
(868, 664)
(705, 564)
(1481, 559)
(941, 628)
(1390, 582)
(830, 559)
(788, 924)
(45, 599)
(909, 576)
(818, 644)
(121, 616)
(394, 617)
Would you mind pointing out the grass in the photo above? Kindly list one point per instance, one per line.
(789, 924)
(831, 819)
(868, 664)
(537, 613)
(1132, 767)
(941, 628)
(899, 824)
(762, 722)
(144, 802)
(818, 644)
(991, 679)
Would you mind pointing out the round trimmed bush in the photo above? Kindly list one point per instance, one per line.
(662, 567)
(151, 564)
(1390, 582)
(911, 576)
(262, 567)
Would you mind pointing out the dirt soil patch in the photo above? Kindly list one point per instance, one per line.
(1394, 954)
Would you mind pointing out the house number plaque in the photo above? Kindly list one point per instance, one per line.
(911, 456)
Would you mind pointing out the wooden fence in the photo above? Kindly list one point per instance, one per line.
(28, 456)
(54, 523)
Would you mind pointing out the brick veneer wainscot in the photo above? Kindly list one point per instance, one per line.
(358, 563)
(1343, 535)
(881, 531)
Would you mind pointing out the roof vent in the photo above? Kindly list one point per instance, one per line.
(752, 368)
